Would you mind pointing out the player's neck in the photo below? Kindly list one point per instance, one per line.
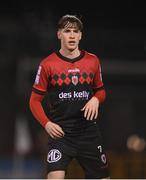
(70, 54)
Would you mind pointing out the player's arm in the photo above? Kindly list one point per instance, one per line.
(37, 95)
(54, 130)
(91, 107)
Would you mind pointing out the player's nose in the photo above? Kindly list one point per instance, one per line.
(72, 35)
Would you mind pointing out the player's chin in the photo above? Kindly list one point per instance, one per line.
(71, 48)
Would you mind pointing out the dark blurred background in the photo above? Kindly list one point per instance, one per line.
(116, 32)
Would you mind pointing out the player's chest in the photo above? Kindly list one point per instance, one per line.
(72, 73)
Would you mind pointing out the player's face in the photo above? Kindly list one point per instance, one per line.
(70, 38)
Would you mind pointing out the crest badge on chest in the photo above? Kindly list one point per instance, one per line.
(75, 79)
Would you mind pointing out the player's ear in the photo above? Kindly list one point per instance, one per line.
(58, 34)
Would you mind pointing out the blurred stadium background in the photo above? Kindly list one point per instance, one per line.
(116, 32)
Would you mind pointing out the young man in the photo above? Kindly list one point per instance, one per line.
(72, 79)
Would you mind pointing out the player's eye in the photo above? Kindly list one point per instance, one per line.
(76, 31)
(67, 31)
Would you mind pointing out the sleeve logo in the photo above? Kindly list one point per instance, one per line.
(38, 75)
(100, 73)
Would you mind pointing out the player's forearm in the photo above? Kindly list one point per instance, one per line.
(37, 109)
(100, 95)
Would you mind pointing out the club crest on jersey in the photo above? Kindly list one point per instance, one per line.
(75, 80)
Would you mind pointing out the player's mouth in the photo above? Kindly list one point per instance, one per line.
(72, 43)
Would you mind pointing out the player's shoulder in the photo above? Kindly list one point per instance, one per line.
(48, 59)
(92, 56)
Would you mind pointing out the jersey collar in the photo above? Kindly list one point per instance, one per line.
(82, 53)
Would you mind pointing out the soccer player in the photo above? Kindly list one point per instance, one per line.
(72, 79)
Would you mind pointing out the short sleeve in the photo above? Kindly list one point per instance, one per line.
(41, 81)
(98, 83)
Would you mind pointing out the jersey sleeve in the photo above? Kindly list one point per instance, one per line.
(98, 83)
(98, 88)
(41, 81)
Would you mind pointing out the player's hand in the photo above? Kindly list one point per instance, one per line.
(54, 130)
(91, 109)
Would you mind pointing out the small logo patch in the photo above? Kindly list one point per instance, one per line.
(38, 75)
(54, 155)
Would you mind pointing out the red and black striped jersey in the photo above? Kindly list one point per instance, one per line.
(69, 83)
